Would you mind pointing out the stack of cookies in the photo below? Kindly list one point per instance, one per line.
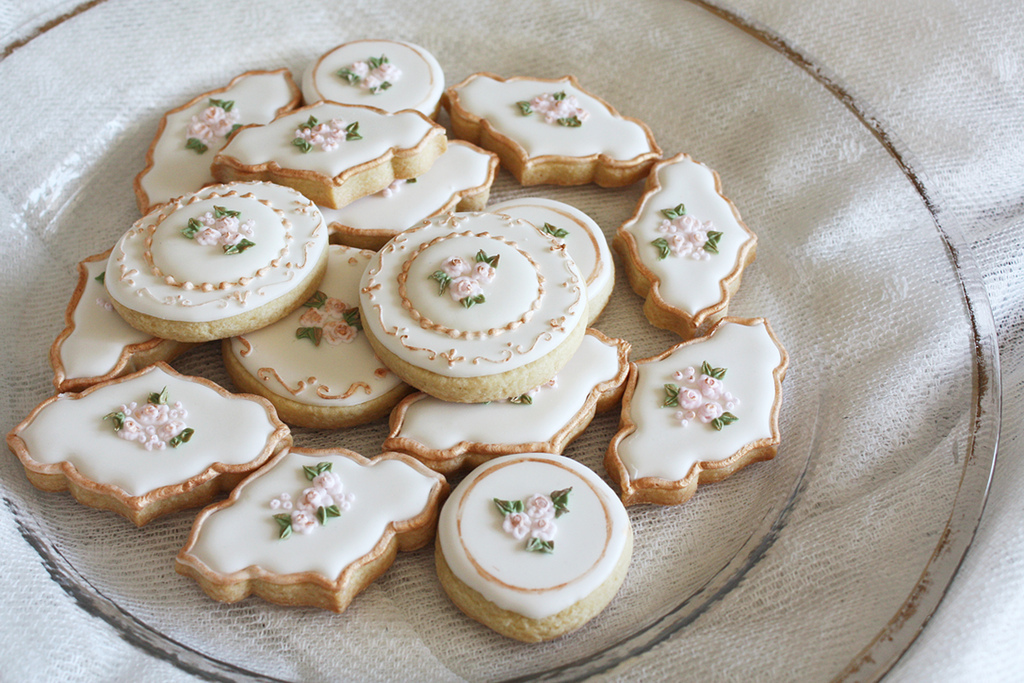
(340, 248)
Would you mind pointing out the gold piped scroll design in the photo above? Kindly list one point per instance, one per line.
(322, 390)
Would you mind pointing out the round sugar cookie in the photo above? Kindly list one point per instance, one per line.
(533, 546)
(583, 238)
(315, 364)
(474, 307)
(387, 74)
(219, 262)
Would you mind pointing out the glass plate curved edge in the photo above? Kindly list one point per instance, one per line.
(896, 636)
(893, 639)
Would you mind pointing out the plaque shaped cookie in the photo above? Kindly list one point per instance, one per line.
(551, 130)
(147, 444)
(474, 307)
(313, 527)
(582, 236)
(450, 436)
(96, 343)
(533, 546)
(460, 180)
(685, 247)
(222, 261)
(333, 153)
(388, 74)
(698, 413)
(178, 160)
(315, 364)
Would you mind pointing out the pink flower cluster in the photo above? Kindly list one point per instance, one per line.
(372, 78)
(325, 492)
(330, 318)
(467, 278)
(153, 425)
(328, 136)
(212, 125)
(702, 397)
(537, 520)
(558, 108)
(686, 236)
(225, 231)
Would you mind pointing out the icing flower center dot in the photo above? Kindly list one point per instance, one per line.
(155, 424)
(702, 396)
(559, 108)
(212, 126)
(376, 74)
(221, 227)
(534, 518)
(327, 136)
(328, 319)
(465, 280)
(685, 236)
(323, 499)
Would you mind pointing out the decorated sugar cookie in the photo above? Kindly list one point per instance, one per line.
(685, 247)
(473, 307)
(313, 527)
(450, 436)
(315, 364)
(532, 545)
(147, 444)
(551, 130)
(97, 344)
(387, 74)
(178, 160)
(223, 261)
(699, 412)
(460, 180)
(583, 238)
(333, 153)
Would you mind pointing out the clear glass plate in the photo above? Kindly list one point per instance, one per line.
(859, 299)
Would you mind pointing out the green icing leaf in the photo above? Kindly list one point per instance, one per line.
(192, 229)
(723, 420)
(712, 244)
(570, 122)
(561, 500)
(314, 471)
(717, 373)
(117, 417)
(553, 231)
(524, 108)
(101, 277)
(442, 281)
(671, 396)
(240, 247)
(507, 507)
(284, 522)
(538, 546)
(221, 212)
(304, 145)
(523, 399)
(313, 334)
(675, 212)
(159, 398)
(352, 131)
(663, 249)
(482, 257)
(471, 301)
(321, 515)
(559, 96)
(316, 301)
(347, 75)
(352, 319)
(226, 105)
(196, 145)
(184, 437)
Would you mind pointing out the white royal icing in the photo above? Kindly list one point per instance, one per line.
(341, 374)
(660, 446)
(245, 534)
(540, 301)
(229, 430)
(156, 270)
(601, 133)
(380, 132)
(461, 168)
(589, 542)
(686, 283)
(176, 170)
(100, 336)
(418, 86)
(437, 424)
(584, 239)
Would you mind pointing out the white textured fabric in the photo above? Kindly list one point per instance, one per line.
(850, 271)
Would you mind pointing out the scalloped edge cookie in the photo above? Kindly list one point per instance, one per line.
(311, 587)
(193, 491)
(659, 307)
(548, 168)
(602, 396)
(638, 486)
